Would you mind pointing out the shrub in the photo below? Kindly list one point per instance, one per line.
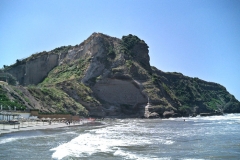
(111, 52)
(185, 109)
(128, 42)
(9, 78)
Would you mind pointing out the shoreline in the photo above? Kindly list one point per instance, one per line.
(29, 126)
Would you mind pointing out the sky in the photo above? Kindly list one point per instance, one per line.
(199, 38)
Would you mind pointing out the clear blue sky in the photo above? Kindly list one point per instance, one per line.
(199, 38)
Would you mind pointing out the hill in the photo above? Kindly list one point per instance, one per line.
(109, 77)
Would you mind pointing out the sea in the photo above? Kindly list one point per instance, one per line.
(192, 138)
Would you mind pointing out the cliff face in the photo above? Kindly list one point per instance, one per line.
(107, 76)
(33, 71)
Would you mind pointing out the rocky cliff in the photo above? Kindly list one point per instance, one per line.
(106, 76)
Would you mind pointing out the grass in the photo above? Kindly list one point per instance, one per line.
(5, 101)
(65, 72)
(56, 100)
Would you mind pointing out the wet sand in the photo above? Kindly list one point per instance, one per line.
(26, 126)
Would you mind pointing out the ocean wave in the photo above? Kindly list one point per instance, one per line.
(227, 117)
(7, 140)
(129, 155)
(130, 139)
(105, 140)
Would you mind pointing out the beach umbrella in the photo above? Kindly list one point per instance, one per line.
(29, 120)
(49, 120)
(3, 125)
(14, 121)
(37, 119)
(43, 119)
(32, 118)
(54, 119)
(22, 120)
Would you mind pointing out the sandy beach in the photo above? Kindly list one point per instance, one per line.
(25, 126)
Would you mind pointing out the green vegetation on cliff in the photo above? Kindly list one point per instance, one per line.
(196, 95)
(66, 72)
(6, 77)
(5, 102)
(55, 100)
(128, 42)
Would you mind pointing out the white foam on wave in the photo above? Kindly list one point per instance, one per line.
(70, 132)
(192, 159)
(11, 139)
(88, 144)
(7, 140)
(106, 140)
(129, 155)
(234, 117)
(168, 142)
(125, 154)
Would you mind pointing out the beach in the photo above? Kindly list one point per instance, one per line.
(36, 125)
